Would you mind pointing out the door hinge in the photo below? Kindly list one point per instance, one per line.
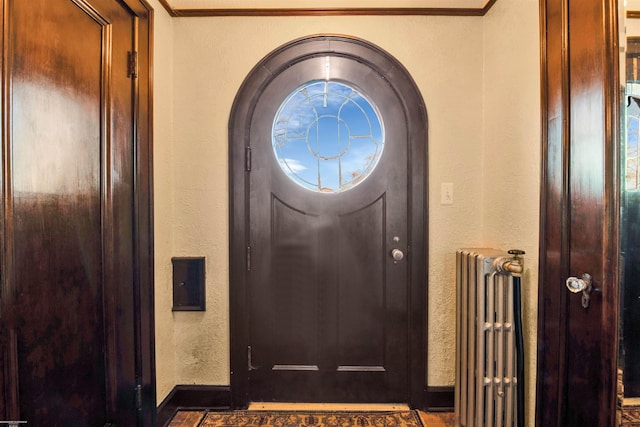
(250, 366)
(248, 258)
(139, 397)
(132, 64)
(247, 158)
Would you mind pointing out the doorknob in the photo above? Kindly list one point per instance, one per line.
(583, 284)
(397, 255)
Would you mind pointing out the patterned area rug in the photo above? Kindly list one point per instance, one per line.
(312, 419)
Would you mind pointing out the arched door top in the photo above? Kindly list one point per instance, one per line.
(358, 49)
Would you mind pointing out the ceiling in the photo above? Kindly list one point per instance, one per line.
(251, 7)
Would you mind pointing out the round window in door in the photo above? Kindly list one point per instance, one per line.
(327, 136)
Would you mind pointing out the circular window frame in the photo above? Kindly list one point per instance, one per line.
(309, 161)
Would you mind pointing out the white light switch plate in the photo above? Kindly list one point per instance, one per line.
(446, 193)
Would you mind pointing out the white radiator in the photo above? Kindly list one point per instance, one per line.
(485, 392)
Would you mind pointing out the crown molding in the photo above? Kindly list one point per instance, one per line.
(356, 11)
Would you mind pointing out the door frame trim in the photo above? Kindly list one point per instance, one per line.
(417, 173)
(144, 283)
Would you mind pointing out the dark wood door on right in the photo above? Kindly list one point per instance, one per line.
(328, 205)
(630, 254)
(577, 341)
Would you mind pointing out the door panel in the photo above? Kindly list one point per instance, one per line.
(69, 236)
(587, 198)
(56, 180)
(361, 288)
(322, 282)
(295, 246)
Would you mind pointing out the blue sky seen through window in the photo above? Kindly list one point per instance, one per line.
(327, 137)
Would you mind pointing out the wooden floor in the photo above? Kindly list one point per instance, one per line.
(438, 419)
(431, 419)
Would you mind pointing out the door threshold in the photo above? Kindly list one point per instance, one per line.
(299, 406)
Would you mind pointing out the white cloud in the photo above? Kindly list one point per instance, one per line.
(292, 165)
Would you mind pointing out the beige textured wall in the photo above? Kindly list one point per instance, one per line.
(511, 182)
(201, 71)
(212, 56)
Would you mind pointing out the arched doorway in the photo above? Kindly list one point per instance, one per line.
(328, 239)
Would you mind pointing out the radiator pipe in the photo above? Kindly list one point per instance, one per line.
(515, 266)
(517, 320)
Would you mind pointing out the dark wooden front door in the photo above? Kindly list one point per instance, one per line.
(328, 302)
(577, 345)
(69, 330)
(326, 313)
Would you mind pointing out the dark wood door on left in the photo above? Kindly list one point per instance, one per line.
(70, 330)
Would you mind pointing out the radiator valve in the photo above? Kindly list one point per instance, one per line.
(513, 265)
